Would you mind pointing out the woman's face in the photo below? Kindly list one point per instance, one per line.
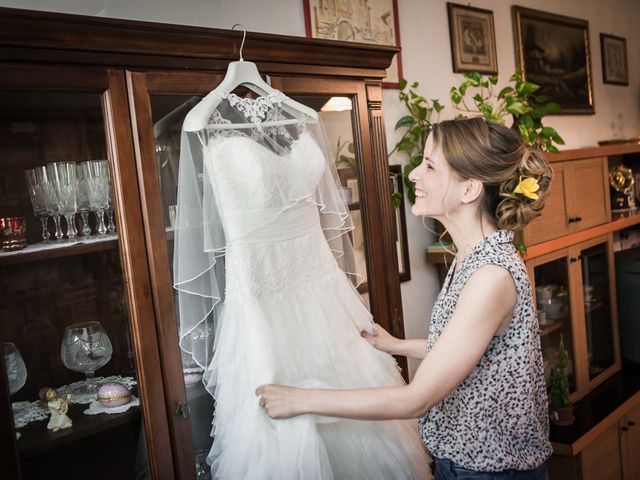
(437, 184)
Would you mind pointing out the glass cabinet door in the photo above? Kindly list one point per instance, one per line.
(69, 348)
(553, 303)
(599, 322)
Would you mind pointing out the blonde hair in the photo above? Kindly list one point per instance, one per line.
(496, 156)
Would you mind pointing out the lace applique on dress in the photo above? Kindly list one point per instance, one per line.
(255, 109)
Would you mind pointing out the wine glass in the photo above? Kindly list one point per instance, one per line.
(110, 209)
(97, 177)
(49, 196)
(16, 369)
(82, 194)
(85, 348)
(36, 193)
(16, 372)
(64, 180)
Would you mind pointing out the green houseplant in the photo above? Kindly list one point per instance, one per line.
(518, 100)
(561, 409)
(417, 124)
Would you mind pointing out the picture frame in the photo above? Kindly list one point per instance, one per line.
(473, 39)
(371, 21)
(553, 52)
(615, 67)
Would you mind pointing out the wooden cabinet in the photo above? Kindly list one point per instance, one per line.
(578, 199)
(86, 88)
(601, 458)
(630, 444)
(575, 297)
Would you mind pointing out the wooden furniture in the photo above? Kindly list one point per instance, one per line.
(76, 88)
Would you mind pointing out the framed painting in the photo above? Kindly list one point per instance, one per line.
(473, 39)
(615, 69)
(366, 21)
(553, 51)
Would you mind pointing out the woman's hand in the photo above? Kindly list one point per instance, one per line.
(281, 402)
(382, 340)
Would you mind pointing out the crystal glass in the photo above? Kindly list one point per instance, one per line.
(37, 194)
(64, 180)
(82, 196)
(16, 369)
(97, 177)
(110, 210)
(49, 196)
(86, 348)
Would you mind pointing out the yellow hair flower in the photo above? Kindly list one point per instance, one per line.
(527, 187)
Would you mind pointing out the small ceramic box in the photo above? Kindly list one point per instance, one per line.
(113, 395)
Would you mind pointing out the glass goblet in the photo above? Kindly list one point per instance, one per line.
(82, 195)
(97, 176)
(16, 372)
(37, 193)
(50, 197)
(85, 348)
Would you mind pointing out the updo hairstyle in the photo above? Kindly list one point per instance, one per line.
(496, 156)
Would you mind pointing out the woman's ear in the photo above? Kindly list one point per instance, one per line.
(472, 190)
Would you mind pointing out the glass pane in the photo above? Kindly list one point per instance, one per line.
(168, 114)
(554, 315)
(335, 113)
(597, 309)
(65, 328)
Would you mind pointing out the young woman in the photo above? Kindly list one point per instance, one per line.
(479, 391)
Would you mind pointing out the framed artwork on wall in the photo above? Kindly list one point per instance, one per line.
(473, 39)
(553, 52)
(615, 69)
(366, 21)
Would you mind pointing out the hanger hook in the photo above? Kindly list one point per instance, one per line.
(244, 36)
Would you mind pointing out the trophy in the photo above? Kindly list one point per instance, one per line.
(621, 180)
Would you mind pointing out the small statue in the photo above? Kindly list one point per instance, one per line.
(58, 408)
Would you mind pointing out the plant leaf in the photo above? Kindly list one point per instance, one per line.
(405, 121)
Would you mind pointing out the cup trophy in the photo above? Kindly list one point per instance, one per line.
(621, 180)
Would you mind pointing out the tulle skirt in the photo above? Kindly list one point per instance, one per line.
(309, 338)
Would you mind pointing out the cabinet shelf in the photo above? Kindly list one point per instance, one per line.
(37, 439)
(47, 251)
(591, 306)
(550, 328)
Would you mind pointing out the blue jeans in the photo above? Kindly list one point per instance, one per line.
(447, 470)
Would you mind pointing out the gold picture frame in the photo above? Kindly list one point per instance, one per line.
(366, 21)
(473, 39)
(553, 52)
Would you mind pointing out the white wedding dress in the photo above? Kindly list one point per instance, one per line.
(290, 315)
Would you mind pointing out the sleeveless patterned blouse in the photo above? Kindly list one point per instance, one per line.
(497, 418)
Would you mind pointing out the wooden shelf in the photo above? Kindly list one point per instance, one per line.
(354, 206)
(37, 439)
(57, 249)
(550, 328)
(591, 152)
(619, 222)
(598, 411)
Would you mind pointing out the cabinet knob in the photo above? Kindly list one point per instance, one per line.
(573, 259)
(624, 429)
(578, 219)
(631, 424)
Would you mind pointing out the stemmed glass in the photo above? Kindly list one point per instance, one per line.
(110, 212)
(16, 369)
(85, 348)
(64, 180)
(97, 177)
(39, 191)
(82, 195)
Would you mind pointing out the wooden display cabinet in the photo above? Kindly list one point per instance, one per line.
(77, 88)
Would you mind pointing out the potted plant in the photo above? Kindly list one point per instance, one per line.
(417, 126)
(517, 101)
(561, 408)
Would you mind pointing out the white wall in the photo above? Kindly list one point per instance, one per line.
(426, 59)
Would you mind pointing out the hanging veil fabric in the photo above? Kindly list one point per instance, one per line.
(265, 275)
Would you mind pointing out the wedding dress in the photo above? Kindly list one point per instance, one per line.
(261, 255)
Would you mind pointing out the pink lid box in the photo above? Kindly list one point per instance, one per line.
(113, 395)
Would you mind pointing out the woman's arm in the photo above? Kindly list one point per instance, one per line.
(485, 302)
(383, 340)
